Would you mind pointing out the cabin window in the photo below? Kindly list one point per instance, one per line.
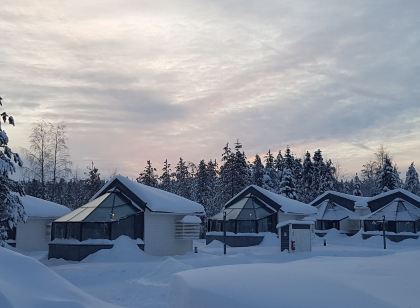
(73, 231)
(247, 226)
(123, 227)
(95, 231)
(59, 230)
(405, 226)
(263, 225)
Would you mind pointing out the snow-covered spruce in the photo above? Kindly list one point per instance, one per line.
(11, 208)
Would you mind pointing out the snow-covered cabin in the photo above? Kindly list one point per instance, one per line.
(161, 222)
(253, 211)
(401, 210)
(339, 211)
(34, 234)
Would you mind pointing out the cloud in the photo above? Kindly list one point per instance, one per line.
(138, 80)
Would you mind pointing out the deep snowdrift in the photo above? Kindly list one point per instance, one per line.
(125, 249)
(24, 282)
(265, 285)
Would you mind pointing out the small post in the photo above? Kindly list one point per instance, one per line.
(325, 242)
(383, 230)
(224, 232)
(195, 249)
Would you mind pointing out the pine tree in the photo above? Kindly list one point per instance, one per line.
(92, 183)
(388, 178)
(270, 175)
(357, 186)
(317, 174)
(287, 187)
(11, 208)
(258, 171)
(148, 176)
(242, 171)
(166, 182)
(412, 183)
(227, 174)
(182, 176)
(214, 202)
(307, 177)
(234, 172)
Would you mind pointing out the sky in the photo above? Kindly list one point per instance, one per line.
(137, 80)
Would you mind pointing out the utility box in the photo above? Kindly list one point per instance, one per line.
(295, 235)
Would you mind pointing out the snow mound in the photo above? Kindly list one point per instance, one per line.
(24, 282)
(270, 240)
(264, 285)
(125, 249)
(165, 269)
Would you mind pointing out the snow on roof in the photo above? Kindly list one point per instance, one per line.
(331, 211)
(294, 222)
(157, 200)
(35, 207)
(287, 205)
(191, 219)
(390, 192)
(397, 210)
(359, 201)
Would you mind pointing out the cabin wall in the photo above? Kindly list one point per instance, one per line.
(33, 235)
(159, 235)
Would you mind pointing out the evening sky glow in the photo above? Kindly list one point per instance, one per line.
(139, 80)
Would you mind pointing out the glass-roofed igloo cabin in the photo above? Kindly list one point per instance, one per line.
(160, 222)
(254, 210)
(106, 217)
(249, 214)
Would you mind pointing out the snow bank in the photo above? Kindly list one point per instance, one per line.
(24, 282)
(125, 249)
(270, 240)
(264, 285)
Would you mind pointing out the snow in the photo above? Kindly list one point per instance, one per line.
(278, 285)
(24, 282)
(400, 190)
(348, 272)
(397, 210)
(90, 241)
(359, 201)
(294, 222)
(125, 249)
(287, 205)
(156, 200)
(35, 207)
(190, 219)
(333, 211)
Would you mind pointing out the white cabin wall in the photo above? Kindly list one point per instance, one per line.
(33, 234)
(159, 235)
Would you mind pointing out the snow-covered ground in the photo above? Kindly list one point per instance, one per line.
(348, 272)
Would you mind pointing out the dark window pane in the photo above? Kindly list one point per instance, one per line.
(95, 231)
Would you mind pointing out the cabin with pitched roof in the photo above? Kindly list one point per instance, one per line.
(339, 211)
(251, 213)
(162, 223)
(34, 234)
(400, 210)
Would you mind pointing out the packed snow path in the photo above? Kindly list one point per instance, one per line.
(349, 270)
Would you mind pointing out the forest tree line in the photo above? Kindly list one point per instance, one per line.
(48, 174)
